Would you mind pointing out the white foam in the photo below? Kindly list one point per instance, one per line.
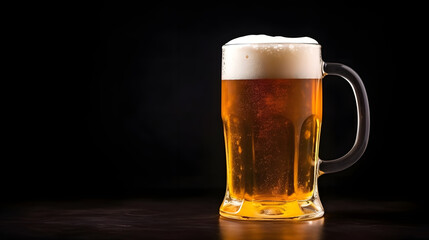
(261, 38)
(266, 57)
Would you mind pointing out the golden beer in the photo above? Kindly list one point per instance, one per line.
(272, 114)
(272, 117)
(272, 129)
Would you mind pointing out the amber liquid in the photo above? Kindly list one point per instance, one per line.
(272, 130)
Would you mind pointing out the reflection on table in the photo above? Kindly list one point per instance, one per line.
(285, 230)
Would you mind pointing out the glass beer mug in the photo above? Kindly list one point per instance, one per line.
(272, 116)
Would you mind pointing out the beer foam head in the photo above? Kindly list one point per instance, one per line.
(266, 57)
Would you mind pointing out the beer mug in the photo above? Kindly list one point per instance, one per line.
(272, 116)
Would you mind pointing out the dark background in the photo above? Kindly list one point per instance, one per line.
(114, 100)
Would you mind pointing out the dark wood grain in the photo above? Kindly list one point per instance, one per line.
(197, 218)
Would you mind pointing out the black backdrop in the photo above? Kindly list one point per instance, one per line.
(117, 100)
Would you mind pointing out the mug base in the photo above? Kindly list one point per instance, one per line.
(272, 210)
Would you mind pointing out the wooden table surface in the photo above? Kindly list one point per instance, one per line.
(197, 218)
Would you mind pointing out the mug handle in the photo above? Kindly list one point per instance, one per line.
(362, 135)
